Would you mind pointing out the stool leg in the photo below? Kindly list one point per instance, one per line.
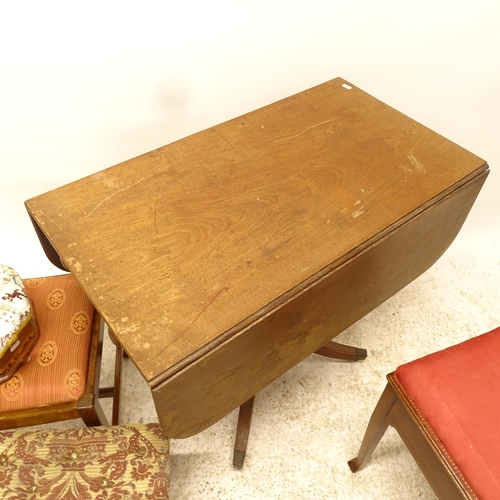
(91, 411)
(115, 391)
(376, 428)
(117, 385)
(242, 432)
(341, 351)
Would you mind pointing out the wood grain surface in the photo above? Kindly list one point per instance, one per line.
(184, 247)
(211, 387)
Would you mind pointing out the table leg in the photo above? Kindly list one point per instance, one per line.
(330, 350)
(341, 351)
(242, 432)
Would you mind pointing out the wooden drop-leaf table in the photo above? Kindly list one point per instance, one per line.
(222, 260)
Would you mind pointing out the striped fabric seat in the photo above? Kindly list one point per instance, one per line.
(56, 372)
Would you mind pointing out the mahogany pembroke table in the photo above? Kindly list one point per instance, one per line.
(222, 260)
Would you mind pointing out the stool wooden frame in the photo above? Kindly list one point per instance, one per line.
(395, 409)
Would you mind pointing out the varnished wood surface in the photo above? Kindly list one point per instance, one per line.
(340, 351)
(209, 388)
(184, 247)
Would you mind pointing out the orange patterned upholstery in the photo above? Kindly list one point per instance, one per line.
(125, 462)
(57, 370)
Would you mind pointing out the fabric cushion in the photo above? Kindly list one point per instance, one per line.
(15, 307)
(57, 370)
(125, 462)
(456, 392)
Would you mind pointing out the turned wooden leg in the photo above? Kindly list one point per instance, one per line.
(376, 428)
(242, 432)
(341, 351)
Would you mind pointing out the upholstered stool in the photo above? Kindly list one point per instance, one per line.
(60, 378)
(446, 408)
(123, 462)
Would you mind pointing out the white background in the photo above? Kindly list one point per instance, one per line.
(86, 85)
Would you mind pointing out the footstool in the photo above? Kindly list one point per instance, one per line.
(127, 462)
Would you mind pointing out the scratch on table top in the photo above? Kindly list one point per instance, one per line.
(303, 131)
(193, 321)
(416, 163)
(276, 232)
(161, 164)
(156, 212)
(219, 133)
(113, 194)
(51, 220)
(131, 328)
(358, 212)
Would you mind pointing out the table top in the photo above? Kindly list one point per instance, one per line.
(183, 247)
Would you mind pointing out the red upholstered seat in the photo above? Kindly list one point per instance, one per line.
(446, 408)
(456, 392)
